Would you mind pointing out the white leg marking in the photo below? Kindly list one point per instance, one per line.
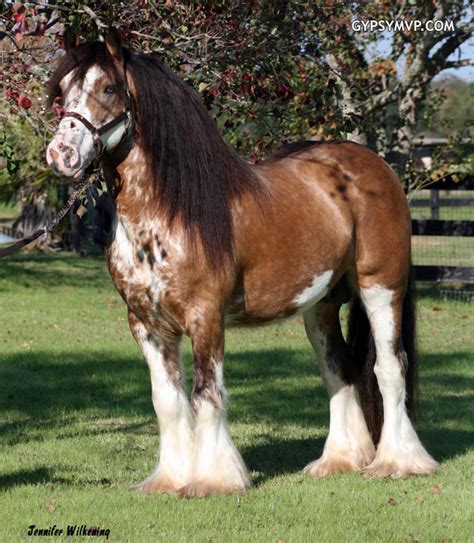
(400, 452)
(175, 420)
(348, 446)
(218, 466)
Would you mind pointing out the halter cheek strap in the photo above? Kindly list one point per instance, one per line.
(98, 132)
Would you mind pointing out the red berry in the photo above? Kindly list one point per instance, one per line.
(25, 102)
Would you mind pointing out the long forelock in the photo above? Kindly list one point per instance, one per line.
(78, 62)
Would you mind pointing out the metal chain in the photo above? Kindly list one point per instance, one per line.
(78, 189)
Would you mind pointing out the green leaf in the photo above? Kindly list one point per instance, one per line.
(81, 210)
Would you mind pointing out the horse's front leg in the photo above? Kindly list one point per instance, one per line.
(218, 467)
(171, 406)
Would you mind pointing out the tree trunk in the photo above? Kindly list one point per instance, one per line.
(402, 142)
(34, 215)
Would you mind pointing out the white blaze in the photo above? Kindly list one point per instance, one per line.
(72, 149)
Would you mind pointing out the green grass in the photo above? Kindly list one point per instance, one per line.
(78, 426)
(453, 213)
(443, 251)
(8, 212)
(458, 213)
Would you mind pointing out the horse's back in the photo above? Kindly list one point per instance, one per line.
(350, 174)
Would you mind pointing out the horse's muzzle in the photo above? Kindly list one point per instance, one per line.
(65, 160)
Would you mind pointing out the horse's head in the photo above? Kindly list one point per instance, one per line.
(90, 82)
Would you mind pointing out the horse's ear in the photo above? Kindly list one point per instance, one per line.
(114, 43)
(70, 39)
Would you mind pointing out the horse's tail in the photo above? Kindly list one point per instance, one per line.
(409, 344)
(363, 356)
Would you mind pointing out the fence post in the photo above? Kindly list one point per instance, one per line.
(434, 204)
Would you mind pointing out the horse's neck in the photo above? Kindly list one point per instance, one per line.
(131, 187)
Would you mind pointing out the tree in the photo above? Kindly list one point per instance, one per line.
(368, 89)
(269, 72)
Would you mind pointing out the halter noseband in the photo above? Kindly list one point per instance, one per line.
(98, 132)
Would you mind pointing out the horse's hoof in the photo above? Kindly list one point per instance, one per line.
(324, 467)
(202, 489)
(157, 483)
(400, 469)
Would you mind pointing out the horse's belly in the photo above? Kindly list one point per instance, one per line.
(260, 303)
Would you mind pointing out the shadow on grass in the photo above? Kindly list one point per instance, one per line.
(269, 388)
(280, 457)
(31, 477)
(42, 388)
(52, 270)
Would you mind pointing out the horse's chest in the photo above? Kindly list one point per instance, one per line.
(139, 268)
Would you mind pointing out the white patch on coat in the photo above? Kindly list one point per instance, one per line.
(122, 247)
(317, 290)
(124, 258)
(135, 174)
(400, 451)
(377, 301)
(72, 131)
(114, 136)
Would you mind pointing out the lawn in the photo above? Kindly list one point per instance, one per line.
(444, 250)
(8, 212)
(78, 426)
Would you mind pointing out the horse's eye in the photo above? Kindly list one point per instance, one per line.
(110, 89)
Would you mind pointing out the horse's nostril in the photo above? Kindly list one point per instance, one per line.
(69, 156)
(60, 145)
(73, 124)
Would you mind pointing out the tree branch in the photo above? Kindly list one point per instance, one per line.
(459, 63)
(380, 100)
(439, 59)
(99, 24)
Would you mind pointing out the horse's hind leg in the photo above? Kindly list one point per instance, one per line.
(172, 409)
(399, 452)
(348, 446)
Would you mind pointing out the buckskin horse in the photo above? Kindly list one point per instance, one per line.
(202, 239)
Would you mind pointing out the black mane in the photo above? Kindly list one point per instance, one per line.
(195, 174)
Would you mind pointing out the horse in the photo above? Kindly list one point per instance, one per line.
(202, 240)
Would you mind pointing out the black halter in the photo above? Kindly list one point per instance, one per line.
(98, 132)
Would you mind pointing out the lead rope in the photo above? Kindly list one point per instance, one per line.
(78, 189)
(85, 182)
